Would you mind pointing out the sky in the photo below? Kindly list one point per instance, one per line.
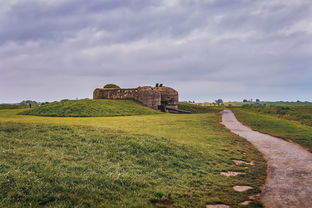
(205, 49)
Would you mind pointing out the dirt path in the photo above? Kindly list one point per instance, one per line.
(289, 181)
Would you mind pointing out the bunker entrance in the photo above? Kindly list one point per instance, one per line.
(163, 106)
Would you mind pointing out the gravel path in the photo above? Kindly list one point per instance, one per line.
(289, 180)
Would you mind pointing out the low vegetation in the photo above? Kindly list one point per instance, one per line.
(195, 108)
(11, 106)
(291, 123)
(91, 108)
(133, 161)
(249, 103)
(302, 114)
(287, 103)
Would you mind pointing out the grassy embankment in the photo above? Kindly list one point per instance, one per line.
(196, 108)
(102, 107)
(11, 106)
(132, 161)
(294, 123)
(91, 108)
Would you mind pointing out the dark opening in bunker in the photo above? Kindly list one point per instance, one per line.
(163, 106)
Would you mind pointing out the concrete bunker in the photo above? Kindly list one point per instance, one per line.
(162, 98)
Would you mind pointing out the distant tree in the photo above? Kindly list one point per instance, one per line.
(258, 100)
(29, 103)
(298, 101)
(157, 85)
(219, 101)
(114, 86)
(245, 100)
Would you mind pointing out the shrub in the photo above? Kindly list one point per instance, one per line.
(112, 86)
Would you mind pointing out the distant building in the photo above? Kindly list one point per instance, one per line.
(162, 98)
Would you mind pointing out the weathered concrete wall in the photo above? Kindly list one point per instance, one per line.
(170, 96)
(107, 93)
(154, 97)
(149, 96)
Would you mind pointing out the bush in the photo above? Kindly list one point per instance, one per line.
(112, 86)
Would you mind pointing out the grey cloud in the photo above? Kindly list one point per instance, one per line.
(223, 48)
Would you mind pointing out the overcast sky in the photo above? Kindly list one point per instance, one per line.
(206, 49)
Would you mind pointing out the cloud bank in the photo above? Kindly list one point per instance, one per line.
(206, 49)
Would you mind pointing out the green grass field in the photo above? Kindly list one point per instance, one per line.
(302, 114)
(91, 108)
(287, 103)
(125, 161)
(292, 123)
(240, 104)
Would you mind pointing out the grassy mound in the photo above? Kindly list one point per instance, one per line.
(195, 108)
(91, 108)
(11, 106)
